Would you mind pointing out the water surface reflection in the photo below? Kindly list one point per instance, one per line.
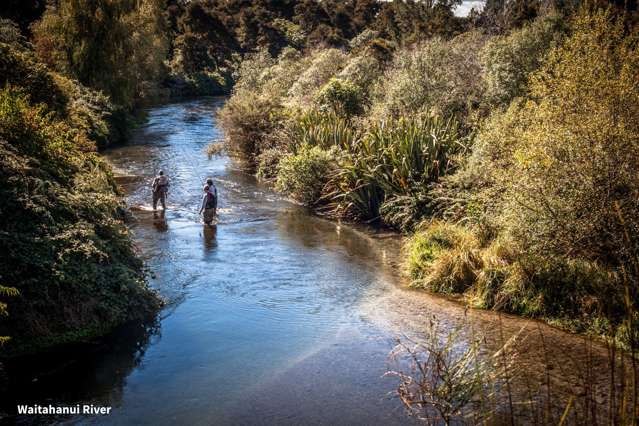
(274, 316)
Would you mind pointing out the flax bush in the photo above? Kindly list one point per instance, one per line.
(318, 128)
(393, 159)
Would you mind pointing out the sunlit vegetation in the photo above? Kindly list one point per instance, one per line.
(508, 149)
(68, 270)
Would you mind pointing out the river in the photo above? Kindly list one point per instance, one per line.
(274, 316)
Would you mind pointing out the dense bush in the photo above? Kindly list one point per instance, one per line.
(435, 77)
(304, 174)
(508, 60)
(88, 111)
(574, 149)
(341, 97)
(66, 251)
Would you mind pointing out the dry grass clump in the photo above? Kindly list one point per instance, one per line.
(443, 257)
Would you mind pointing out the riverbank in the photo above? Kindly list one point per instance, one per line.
(437, 141)
(70, 272)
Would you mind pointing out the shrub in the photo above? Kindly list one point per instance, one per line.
(508, 60)
(362, 71)
(293, 33)
(437, 76)
(249, 123)
(323, 65)
(403, 212)
(254, 72)
(340, 96)
(206, 83)
(572, 292)
(268, 162)
(303, 175)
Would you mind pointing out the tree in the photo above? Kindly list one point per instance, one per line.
(114, 46)
(568, 157)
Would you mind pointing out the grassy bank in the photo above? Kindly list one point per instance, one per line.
(509, 159)
(68, 270)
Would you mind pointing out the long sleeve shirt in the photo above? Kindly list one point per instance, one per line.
(161, 183)
(205, 196)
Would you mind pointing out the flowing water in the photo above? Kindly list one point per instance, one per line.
(274, 316)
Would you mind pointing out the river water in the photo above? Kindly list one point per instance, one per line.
(274, 316)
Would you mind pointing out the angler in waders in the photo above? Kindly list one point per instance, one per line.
(160, 189)
(209, 202)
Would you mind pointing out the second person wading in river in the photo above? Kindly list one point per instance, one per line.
(209, 202)
(160, 189)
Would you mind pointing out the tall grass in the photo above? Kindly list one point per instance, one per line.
(457, 377)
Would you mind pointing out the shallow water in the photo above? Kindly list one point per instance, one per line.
(274, 317)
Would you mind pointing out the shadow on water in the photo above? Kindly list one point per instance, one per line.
(68, 375)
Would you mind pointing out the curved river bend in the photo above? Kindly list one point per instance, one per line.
(274, 316)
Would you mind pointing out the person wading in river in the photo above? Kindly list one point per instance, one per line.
(160, 189)
(209, 202)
